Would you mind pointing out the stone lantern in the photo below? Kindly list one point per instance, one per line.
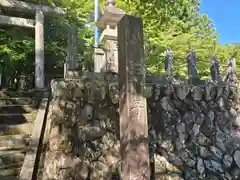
(108, 21)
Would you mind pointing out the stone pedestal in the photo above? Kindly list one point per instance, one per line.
(99, 60)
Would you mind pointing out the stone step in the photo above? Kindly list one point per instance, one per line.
(10, 166)
(9, 178)
(14, 142)
(9, 172)
(20, 101)
(11, 157)
(16, 108)
(11, 93)
(12, 119)
(16, 129)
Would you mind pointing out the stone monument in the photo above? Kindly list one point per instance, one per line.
(134, 147)
(214, 69)
(231, 72)
(72, 47)
(168, 61)
(192, 69)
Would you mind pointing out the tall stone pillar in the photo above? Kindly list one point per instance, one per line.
(133, 121)
(72, 47)
(111, 15)
(39, 50)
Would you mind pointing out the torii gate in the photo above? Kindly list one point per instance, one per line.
(38, 24)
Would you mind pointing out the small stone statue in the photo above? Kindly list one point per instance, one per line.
(215, 69)
(22, 83)
(231, 72)
(168, 61)
(192, 70)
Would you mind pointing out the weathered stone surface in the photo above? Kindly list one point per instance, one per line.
(213, 166)
(227, 161)
(236, 157)
(194, 132)
(200, 166)
(84, 137)
(132, 103)
(203, 140)
(182, 92)
(199, 122)
(162, 165)
(62, 166)
(190, 174)
(204, 152)
(215, 69)
(114, 92)
(235, 172)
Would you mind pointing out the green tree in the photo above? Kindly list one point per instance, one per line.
(177, 25)
(171, 24)
(17, 43)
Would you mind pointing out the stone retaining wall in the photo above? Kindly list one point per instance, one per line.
(84, 136)
(193, 130)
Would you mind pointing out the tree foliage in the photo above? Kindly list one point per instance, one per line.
(171, 24)
(180, 26)
(17, 48)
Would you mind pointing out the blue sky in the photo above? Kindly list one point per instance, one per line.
(225, 15)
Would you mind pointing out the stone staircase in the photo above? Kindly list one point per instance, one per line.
(17, 115)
